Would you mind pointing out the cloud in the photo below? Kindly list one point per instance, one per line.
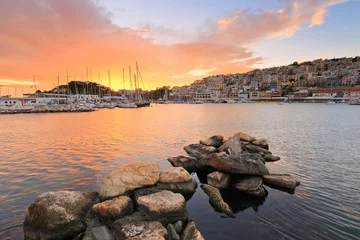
(201, 72)
(8, 82)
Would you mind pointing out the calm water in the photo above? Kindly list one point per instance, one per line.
(318, 143)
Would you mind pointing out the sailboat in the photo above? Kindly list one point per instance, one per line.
(330, 102)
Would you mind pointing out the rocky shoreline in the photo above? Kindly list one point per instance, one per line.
(138, 201)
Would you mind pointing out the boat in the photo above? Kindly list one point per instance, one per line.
(281, 103)
(246, 100)
(356, 102)
(127, 105)
(110, 105)
(330, 103)
(199, 102)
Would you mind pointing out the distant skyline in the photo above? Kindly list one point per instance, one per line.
(175, 42)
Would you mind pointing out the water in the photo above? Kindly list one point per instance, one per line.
(318, 144)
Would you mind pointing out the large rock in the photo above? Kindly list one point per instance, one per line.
(250, 185)
(271, 158)
(244, 137)
(191, 232)
(261, 142)
(214, 141)
(177, 180)
(255, 149)
(187, 163)
(58, 215)
(128, 178)
(216, 198)
(232, 146)
(281, 180)
(98, 233)
(114, 209)
(132, 229)
(237, 164)
(165, 206)
(198, 150)
(219, 180)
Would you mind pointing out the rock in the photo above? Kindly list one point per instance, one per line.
(237, 164)
(178, 227)
(128, 178)
(114, 209)
(219, 180)
(185, 162)
(58, 215)
(130, 229)
(98, 233)
(198, 150)
(165, 206)
(271, 158)
(232, 146)
(178, 180)
(281, 180)
(250, 185)
(191, 232)
(256, 149)
(261, 142)
(255, 156)
(215, 196)
(214, 141)
(172, 234)
(92, 220)
(244, 137)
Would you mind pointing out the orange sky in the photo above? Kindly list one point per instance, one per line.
(47, 38)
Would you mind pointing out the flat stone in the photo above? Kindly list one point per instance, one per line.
(187, 163)
(129, 178)
(281, 180)
(244, 137)
(250, 185)
(219, 180)
(198, 150)
(165, 206)
(232, 146)
(214, 141)
(58, 215)
(98, 233)
(236, 164)
(177, 180)
(191, 232)
(215, 197)
(271, 158)
(261, 142)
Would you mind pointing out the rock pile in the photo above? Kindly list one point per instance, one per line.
(138, 201)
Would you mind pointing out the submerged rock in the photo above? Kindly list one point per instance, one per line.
(250, 185)
(128, 178)
(187, 163)
(232, 146)
(215, 196)
(244, 137)
(165, 206)
(256, 149)
(214, 141)
(271, 158)
(261, 142)
(219, 180)
(237, 164)
(191, 232)
(177, 180)
(281, 180)
(198, 150)
(58, 215)
(98, 233)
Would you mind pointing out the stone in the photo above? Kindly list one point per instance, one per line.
(114, 209)
(216, 198)
(177, 180)
(191, 232)
(219, 180)
(130, 229)
(172, 234)
(244, 137)
(250, 185)
(261, 142)
(179, 226)
(128, 178)
(214, 141)
(271, 158)
(187, 163)
(281, 180)
(232, 146)
(144, 192)
(98, 233)
(236, 164)
(199, 151)
(255, 149)
(165, 206)
(58, 215)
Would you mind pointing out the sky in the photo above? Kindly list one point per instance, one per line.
(174, 41)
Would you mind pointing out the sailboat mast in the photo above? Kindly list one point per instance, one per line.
(99, 85)
(130, 83)
(67, 81)
(136, 90)
(58, 78)
(109, 79)
(124, 78)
